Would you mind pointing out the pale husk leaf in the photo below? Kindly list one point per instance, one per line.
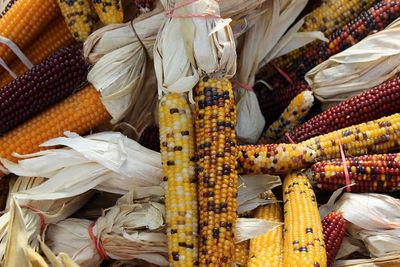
(387, 261)
(381, 243)
(349, 246)
(247, 228)
(362, 66)
(107, 161)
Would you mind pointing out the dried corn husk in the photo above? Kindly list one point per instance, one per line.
(362, 66)
(387, 261)
(248, 228)
(107, 161)
(187, 48)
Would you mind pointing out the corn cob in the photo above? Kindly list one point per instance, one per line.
(334, 227)
(273, 103)
(79, 17)
(55, 37)
(23, 21)
(369, 173)
(150, 138)
(373, 104)
(144, 6)
(303, 243)
(375, 18)
(378, 136)
(109, 11)
(44, 85)
(78, 113)
(178, 160)
(241, 253)
(293, 115)
(215, 125)
(266, 250)
(273, 158)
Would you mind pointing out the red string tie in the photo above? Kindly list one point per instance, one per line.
(169, 14)
(290, 139)
(244, 86)
(39, 213)
(346, 172)
(97, 244)
(284, 74)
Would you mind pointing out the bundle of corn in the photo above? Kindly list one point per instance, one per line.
(23, 21)
(373, 104)
(79, 17)
(293, 115)
(303, 240)
(369, 173)
(55, 37)
(334, 227)
(274, 158)
(266, 250)
(378, 136)
(109, 12)
(273, 103)
(44, 85)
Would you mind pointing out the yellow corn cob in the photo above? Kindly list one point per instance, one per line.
(23, 21)
(266, 250)
(373, 137)
(178, 160)
(78, 16)
(241, 253)
(292, 116)
(274, 158)
(303, 243)
(217, 176)
(53, 38)
(109, 11)
(78, 113)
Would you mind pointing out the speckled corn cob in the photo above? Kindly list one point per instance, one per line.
(241, 254)
(303, 240)
(334, 227)
(370, 173)
(109, 11)
(273, 158)
(378, 136)
(292, 116)
(217, 176)
(177, 154)
(78, 16)
(266, 250)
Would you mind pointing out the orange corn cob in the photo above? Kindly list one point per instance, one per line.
(53, 38)
(23, 21)
(78, 113)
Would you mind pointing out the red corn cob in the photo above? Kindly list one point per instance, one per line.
(380, 172)
(334, 227)
(373, 104)
(44, 85)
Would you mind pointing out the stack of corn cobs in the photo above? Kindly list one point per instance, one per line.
(45, 94)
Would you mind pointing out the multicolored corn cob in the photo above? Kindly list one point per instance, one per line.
(273, 103)
(375, 18)
(178, 161)
(372, 104)
(55, 37)
(109, 11)
(144, 6)
(79, 17)
(293, 115)
(370, 173)
(241, 253)
(215, 125)
(22, 21)
(373, 137)
(44, 85)
(266, 250)
(78, 113)
(150, 138)
(273, 158)
(334, 227)
(303, 240)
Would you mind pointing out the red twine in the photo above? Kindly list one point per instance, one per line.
(97, 244)
(169, 14)
(346, 172)
(39, 213)
(290, 139)
(281, 72)
(244, 86)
